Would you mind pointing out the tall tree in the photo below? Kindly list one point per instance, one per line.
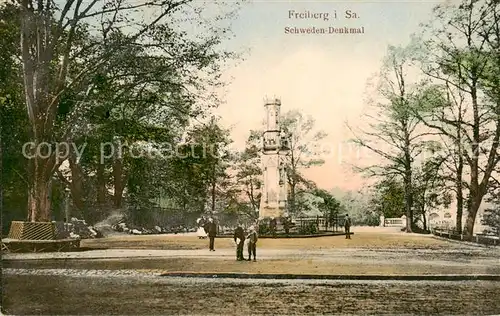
(442, 108)
(394, 133)
(462, 55)
(249, 170)
(55, 61)
(216, 157)
(357, 205)
(330, 206)
(13, 119)
(304, 152)
(388, 197)
(491, 217)
(431, 190)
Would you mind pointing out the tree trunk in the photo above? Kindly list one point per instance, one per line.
(37, 51)
(76, 186)
(213, 197)
(1, 178)
(460, 204)
(292, 197)
(460, 170)
(408, 209)
(250, 193)
(292, 182)
(474, 162)
(424, 218)
(408, 195)
(101, 185)
(118, 182)
(408, 172)
(38, 200)
(471, 216)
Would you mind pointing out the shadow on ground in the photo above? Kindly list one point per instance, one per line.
(132, 296)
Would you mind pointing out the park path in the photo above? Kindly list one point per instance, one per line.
(476, 258)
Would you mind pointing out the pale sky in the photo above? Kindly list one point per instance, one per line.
(323, 75)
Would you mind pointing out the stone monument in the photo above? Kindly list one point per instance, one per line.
(275, 148)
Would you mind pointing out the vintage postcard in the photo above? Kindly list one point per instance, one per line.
(204, 157)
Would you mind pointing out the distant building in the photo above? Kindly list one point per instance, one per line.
(446, 217)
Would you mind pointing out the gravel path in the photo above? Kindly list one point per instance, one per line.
(84, 272)
(155, 276)
(477, 257)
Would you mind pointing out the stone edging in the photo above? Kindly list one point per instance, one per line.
(293, 236)
(476, 240)
(444, 277)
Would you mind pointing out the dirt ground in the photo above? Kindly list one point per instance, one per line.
(56, 295)
(365, 253)
(268, 266)
(126, 278)
(372, 240)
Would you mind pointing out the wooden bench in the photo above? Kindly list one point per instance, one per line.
(60, 245)
(37, 237)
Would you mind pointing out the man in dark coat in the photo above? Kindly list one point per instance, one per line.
(286, 225)
(272, 226)
(239, 239)
(212, 232)
(347, 227)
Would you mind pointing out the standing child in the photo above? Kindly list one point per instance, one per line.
(252, 244)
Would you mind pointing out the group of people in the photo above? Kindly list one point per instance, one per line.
(239, 239)
(209, 229)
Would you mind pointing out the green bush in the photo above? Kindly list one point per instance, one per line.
(308, 229)
(264, 228)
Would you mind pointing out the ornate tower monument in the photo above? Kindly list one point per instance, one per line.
(275, 146)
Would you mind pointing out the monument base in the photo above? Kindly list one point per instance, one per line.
(271, 212)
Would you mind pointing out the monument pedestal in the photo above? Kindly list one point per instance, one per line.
(268, 212)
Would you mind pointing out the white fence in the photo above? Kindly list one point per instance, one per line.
(393, 222)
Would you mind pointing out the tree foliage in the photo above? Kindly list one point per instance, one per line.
(394, 133)
(107, 78)
(454, 102)
(460, 59)
(249, 170)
